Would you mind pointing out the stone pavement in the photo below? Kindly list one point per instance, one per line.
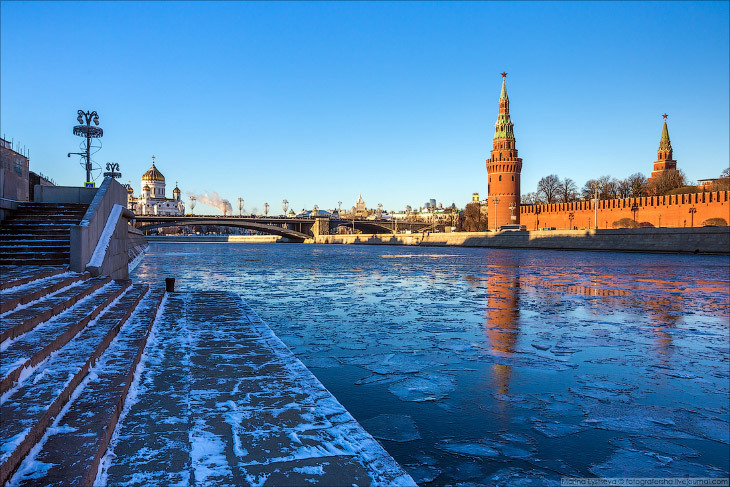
(220, 400)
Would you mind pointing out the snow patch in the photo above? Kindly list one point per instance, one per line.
(97, 258)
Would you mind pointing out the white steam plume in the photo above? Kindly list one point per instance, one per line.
(213, 199)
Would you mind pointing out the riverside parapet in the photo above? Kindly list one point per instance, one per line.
(703, 240)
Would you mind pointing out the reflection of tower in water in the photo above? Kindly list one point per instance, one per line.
(502, 324)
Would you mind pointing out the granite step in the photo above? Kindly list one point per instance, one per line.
(9, 299)
(223, 402)
(30, 238)
(85, 430)
(35, 262)
(23, 254)
(19, 321)
(12, 276)
(34, 243)
(22, 355)
(31, 409)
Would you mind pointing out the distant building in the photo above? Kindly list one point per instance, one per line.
(152, 200)
(13, 173)
(475, 197)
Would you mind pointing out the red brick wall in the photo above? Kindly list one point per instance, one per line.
(674, 211)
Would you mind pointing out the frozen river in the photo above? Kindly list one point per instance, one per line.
(493, 366)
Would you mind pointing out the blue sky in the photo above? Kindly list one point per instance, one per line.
(318, 102)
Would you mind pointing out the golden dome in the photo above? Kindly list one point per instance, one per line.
(145, 188)
(153, 174)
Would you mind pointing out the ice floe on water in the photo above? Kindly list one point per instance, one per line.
(629, 463)
(468, 449)
(426, 387)
(392, 427)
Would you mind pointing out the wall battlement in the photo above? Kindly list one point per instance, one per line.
(679, 210)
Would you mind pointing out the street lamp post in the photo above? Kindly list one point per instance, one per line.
(660, 220)
(496, 202)
(88, 132)
(692, 212)
(112, 170)
(634, 209)
(595, 205)
(571, 215)
(339, 208)
(240, 206)
(266, 209)
(284, 206)
(512, 207)
(193, 199)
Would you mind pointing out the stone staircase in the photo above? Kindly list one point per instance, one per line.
(69, 347)
(38, 233)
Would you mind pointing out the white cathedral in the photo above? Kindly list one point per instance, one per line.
(152, 201)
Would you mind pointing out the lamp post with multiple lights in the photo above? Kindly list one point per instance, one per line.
(88, 131)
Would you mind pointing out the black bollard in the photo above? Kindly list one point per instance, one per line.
(170, 284)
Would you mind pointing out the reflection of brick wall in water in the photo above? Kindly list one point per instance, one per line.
(674, 211)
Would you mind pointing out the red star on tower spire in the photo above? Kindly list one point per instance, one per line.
(504, 75)
(665, 116)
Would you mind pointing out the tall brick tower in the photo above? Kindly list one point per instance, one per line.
(664, 160)
(503, 169)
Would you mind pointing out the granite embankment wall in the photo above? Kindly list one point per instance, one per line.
(215, 238)
(657, 211)
(711, 240)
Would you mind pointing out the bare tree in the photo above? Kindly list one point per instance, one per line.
(723, 182)
(638, 182)
(624, 188)
(530, 199)
(666, 181)
(568, 190)
(548, 188)
(611, 189)
(471, 219)
(605, 187)
(587, 191)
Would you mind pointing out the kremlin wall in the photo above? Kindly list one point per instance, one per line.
(678, 210)
(503, 203)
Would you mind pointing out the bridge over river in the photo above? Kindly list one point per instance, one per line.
(296, 229)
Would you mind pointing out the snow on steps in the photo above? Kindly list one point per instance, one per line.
(221, 401)
(28, 411)
(25, 318)
(86, 428)
(25, 353)
(17, 276)
(11, 298)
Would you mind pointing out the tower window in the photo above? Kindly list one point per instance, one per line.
(513, 178)
(500, 177)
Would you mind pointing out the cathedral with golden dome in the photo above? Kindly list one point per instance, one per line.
(152, 200)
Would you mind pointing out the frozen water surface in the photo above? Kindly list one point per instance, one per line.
(486, 366)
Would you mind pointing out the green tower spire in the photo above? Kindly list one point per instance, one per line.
(665, 143)
(503, 95)
(503, 129)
